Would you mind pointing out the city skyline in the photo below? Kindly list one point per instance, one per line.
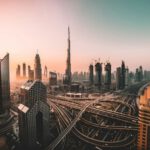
(74, 74)
(115, 30)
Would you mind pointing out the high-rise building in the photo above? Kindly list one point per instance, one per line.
(118, 78)
(18, 72)
(37, 68)
(126, 77)
(45, 71)
(24, 70)
(52, 78)
(144, 120)
(123, 75)
(34, 116)
(4, 84)
(139, 74)
(98, 70)
(108, 75)
(29, 69)
(91, 74)
(67, 78)
(146, 75)
(30, 73)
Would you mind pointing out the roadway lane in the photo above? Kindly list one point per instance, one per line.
(70, 126)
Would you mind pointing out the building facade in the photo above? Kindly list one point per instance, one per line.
(91, 74)
(34, 116)
(144, 120)
(18, 72)
(108, 75)
(4, 84)
(24, 70)
(121, 77)
(52, 78)
(30, 73)
(98, 76)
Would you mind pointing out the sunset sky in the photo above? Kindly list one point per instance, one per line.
(106, 29)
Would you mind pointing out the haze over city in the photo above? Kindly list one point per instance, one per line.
(115, 30)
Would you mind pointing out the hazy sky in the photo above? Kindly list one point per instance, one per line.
(106, 29)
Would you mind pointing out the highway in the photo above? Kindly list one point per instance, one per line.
(70, 126)
(65, 118)
(8, 126)
(122, 130)
(102, 112)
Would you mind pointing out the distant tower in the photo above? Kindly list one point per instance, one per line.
(98, 70)
(30, 74)
(118, 78)
(29, 69)
(137, 75)
(4, 84)
(144, 119)
(34, 117)
(45, 71)
(18, 72)
(108, 75)
(52, 78)
(68, 63)
(141, 73)
(24, 69)
(126, 76)
(91, 74)
(37, 68)
(123, 75)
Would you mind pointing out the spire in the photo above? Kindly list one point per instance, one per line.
(68, 32)
(68, 62)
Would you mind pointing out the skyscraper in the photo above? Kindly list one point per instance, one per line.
(18, 72)
(67, 79)
(37, 68)
(126, 77)
(34, 115)
(45, 71)
(118, 78)
(98, 70)
(91, 74)
(144, 119)
(29, 69)
(52, 78)
(4, 84)
(123, 75)
(30, 74)
(139, 74)
(108, 75)
(24, 70)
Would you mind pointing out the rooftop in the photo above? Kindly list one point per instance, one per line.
(23, 108)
